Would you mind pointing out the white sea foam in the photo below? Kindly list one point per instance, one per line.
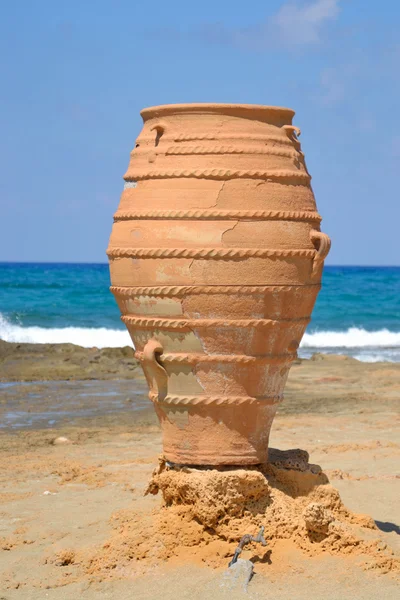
(100, 337)
(352, 338)
(368, 346)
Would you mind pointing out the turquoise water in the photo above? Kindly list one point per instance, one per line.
(357, 311)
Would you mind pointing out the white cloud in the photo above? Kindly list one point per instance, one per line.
(301, 23)
(297, 24)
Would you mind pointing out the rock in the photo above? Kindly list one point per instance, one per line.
(317, 518)
(60, 362)
(237, 576)
(59, 441)
(294, 459)
(212, 494)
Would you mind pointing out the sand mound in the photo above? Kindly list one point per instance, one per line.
(205, 512)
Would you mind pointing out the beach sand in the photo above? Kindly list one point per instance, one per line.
(74, 517)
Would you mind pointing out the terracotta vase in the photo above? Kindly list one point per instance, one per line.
(216, 257)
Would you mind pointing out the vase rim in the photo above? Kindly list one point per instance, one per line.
(251, 111)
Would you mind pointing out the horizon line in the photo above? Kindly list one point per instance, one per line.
(23, 262)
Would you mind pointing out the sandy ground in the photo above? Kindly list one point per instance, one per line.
(62, 505)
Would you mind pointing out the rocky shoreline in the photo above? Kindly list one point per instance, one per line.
(55, 362)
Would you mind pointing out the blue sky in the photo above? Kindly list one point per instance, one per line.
(75, 75)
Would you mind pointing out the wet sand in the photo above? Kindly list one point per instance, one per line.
(63, 505)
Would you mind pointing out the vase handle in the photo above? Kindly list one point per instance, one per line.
(155, 373)
(292, 131)
(160, 130)
(322, 243)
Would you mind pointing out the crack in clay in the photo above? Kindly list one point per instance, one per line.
(229, 229)
(219, 193)
(191, 264)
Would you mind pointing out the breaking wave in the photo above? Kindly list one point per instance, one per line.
(352, 338)
(382, 345)
(100, 337)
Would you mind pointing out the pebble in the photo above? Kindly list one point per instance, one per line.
(61, 440)
(237, 576)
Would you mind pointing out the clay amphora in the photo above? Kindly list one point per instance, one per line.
(216, 257)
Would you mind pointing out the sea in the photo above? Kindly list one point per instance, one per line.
(357, 311)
